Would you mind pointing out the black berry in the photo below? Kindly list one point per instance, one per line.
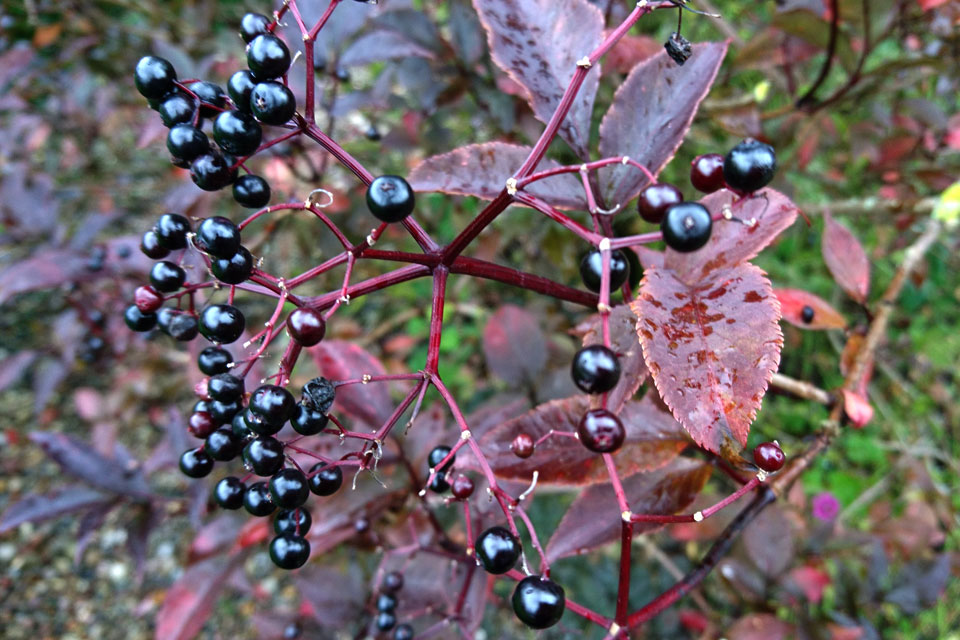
(252, 25)
(186, 142)
(195, 463)
(224, 411)
(180, 326)
(403, 632)
(229, 493)
(595, 369)
(222, 323)
(150, 246)
(172, 229)
(237, 133)
(538, 602)
(591, 267)
(222, 444)
(256, 423)
(289, 489)
(295, 521)
(239, 87)
(439, 484)
(678, 48)
(239, 427)
(437, 454)
(257, 500)
(211, 171)
(601, 431)
(214, 360)
(656, 199)
(250, 191)
(390, 198)
(385, 620)
(268, 57)
(137, 320)
(167, 277)
(497, 549)
(307, 421)
(706, 173)
(154, 77)
(264, 456)
(306, 326)
(806, 314)
(319, 394)
(686, 227)
(749, 166)
(211, 96)
(392, 582)
(218, 236)
(235, 269)
(289, 551)
(176, 108)
(201, 424)
(273, 403)
(225, 387)
(769, 456)
(324, 480)
(272, 103)
(386, 602)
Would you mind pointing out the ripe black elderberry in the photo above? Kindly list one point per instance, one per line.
(591, 269)
(686, 227)
(222, 323)
(214, 360)
(390, 198)
(211, 171)
(257, 500)
(150, 246)
(595, 369)
(179, 325)
(264, 456)
(218, 236)
(222, 444)
(172, 229)
(186, 142)
(268, 57)
(176, 108)
(403, 632)
(252, 25)
(289, 489)
(437, 454)
(289, 551)
(656, 199)
(137, 320)
(229, 493)
(273, 403)
(195, 463)
(272, 103)
(497, 549)
(154, 77)
(235, 269)
(392, 582)
(324, 480)
(386, 602)
(256, 423)
(538, 602)
(225, 387)
(749, 166)
(252, 192)
(167, 277)
(307, 421)
(706, 173)
(807, 314)
(237, 133)
(295, 521)
(211, 96)
(223, 411)
(239, 87)
(306, 326)
(385, 620)
(601, 431)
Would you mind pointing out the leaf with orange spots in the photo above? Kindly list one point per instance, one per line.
(711, 347)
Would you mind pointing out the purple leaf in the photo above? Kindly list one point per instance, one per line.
(39, 507)
(482, 170)
(47, 376)
(650, 115)
(538, 42)
(712, 348)
(514, 345)
(340, 360)
(653, 439)
(336, 596)
(732, 242)
(466, 32)
(623, 340)
(93, 518)
(44, 270)
(190, 600)
(846, 259)
(81, 461)
(377, 46)
(768, 542)
(13, 368)
(592, 520)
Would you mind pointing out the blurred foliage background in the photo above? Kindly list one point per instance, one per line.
(83, 172)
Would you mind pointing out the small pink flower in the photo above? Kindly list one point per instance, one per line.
(825, 506)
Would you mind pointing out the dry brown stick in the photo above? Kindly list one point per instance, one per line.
(878, 329)
(871, 207)
(801, 389)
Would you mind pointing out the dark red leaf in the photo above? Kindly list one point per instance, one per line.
(190, 600)
(768, 542)
(377, 46)
(623, 340)
(792, 302)
(335, 596)
(81, 461)
(653, 439)
(760, 626)
(538, 42)
(857, 408)
(650, 115)
(341, 360)
(811, 581)
(12, 368)
(215, 536)
(846, 259)
(593, 519)
(39, 507)
(482, 170)
(712, 348)
(731, 242)
(514, 345)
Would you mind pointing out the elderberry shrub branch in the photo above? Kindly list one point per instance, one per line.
(234, 420)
